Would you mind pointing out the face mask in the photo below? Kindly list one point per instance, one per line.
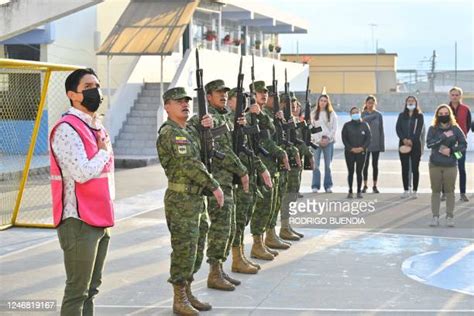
(92, 99)
(443, 118)
(411, 107)
(355, 116)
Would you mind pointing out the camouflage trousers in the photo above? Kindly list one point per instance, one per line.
(222, 229)
(186, 218)
(281, 191)
(291, 194)
(244, 208)
(264, 208)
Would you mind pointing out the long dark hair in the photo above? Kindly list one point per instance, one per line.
(370, 97)
(329, 108)
(416, 111)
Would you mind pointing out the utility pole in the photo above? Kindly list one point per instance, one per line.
(456, 63)
(433, 67)
(372, 29)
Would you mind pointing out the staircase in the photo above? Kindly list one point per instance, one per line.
(135, 146)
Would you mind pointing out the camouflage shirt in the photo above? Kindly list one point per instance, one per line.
(276, 152)
(179, 154)
(223, 169)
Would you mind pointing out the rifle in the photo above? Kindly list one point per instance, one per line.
(207, 141)
(255, 137)
(281, 138)
(290, 123)
(308, 129)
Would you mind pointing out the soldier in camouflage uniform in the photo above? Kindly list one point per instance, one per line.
(245, 201)
(222, 227)
(294, 180)
(265, 206)
(179, 153)
(272, 239)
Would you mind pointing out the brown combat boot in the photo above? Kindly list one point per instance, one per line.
(285, 231)
(195, 302)
(181, 304)
(295, 232)
(259, 251)
(215, 279)
(253, 264)
(227, 277)
(238, 263)
(272, 240)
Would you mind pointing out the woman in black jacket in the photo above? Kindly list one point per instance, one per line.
(356, 139)
(409, 128)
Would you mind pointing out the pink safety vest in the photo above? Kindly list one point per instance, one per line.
(94, 204)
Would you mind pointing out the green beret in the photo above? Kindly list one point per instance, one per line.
(176, 94)
(259, 86)
(216, 85)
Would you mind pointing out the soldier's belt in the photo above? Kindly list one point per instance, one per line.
(221, 130)
(185, 188)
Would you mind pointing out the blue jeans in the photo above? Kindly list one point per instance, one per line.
(327, 152)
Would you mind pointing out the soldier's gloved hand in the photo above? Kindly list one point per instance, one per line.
(298, 160)
(207, 121)
(219, 195)
(267, 179)
(245, 182)
(286, 162)
(242, 121)
(255, 108)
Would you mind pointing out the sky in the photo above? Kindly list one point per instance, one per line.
(410, 28)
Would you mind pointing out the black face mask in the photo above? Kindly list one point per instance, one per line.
(443, 118)
(92, 99)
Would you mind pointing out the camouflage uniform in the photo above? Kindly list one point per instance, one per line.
(265, 206)
(245, 201)
(179, 154)
(222, 227)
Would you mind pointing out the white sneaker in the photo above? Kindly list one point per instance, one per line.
(449, 222)
(405, 195)
(434, 221)
(314, 190)
(414, 195)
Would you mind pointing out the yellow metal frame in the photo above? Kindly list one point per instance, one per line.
(48, 68)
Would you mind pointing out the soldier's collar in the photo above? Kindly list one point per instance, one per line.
(216, 110)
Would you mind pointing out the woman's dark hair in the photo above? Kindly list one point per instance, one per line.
(417, 109)
(370, 97)
(329, 108)
(72, 81)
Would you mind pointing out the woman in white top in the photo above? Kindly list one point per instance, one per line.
(325, 117)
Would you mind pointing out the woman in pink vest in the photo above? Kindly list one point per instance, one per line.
(82, 187)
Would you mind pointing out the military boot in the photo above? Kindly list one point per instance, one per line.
(258, 250)
(242, 251)
(181, 304)
(239, 265)
(285, 231)
(215, 279)
(195, 302)
(272, 240)
(227, 277)
(295, 232)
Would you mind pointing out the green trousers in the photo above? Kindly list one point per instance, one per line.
(244, 208)
(291, 194)
(222, 227)
(442, 178)
(277, 200)
(186, 218)
(85, 248)
(264, 208)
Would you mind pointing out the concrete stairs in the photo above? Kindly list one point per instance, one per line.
(135, 146)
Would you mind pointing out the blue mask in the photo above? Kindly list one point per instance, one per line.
(355, 116)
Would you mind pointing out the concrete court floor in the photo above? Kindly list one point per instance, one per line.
(392, 264)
